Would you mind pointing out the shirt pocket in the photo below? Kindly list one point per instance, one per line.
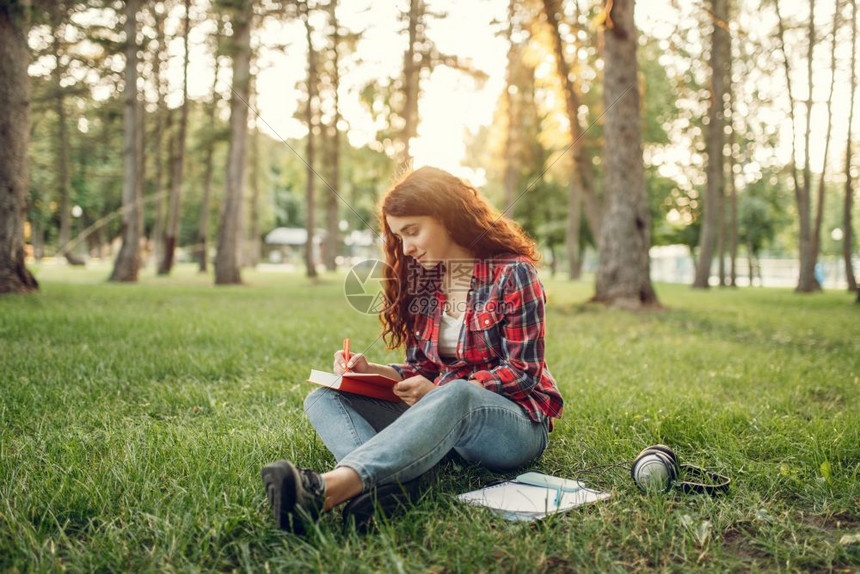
(483, 344)
(423, 332)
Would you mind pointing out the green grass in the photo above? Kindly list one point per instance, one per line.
(135, 419)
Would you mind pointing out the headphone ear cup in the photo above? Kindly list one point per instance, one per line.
(670, 454)
(654, 470)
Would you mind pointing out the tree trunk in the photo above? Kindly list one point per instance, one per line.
(806, 282)
(332, 220)
(15, 135)
(203, 228)
(819, 206)
(752, 263)
(58, 17)
(140, 110)
(411, 75)
(127, 263)
(164, 190)
(623, 277)
(310, 150)
(332, 232)
(229, 243)
(159, 130)
(733, 195)
(574, 186)
(721, 237)
(177, 161)
(581, 187)
(720, 57)
(38, 240)
(847, 231)
(574, 221)
(514, 113)
(252, 240)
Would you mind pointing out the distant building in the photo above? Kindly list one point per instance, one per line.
(287, 244)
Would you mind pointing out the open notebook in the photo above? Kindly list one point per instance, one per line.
(367, 384)
(532, 496)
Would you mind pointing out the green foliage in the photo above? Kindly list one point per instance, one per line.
(658, 95)
(97, 171)
(135, 421)
(673, 81)
(762, 213)
(662, 196)
(833, 214)
(364, 176)
(542, 212)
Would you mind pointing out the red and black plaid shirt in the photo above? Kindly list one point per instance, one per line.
(502, 342)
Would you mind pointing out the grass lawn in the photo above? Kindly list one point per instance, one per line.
(135, 419)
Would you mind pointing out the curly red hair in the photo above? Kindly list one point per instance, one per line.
(470, 220)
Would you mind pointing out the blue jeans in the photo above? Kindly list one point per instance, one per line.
(388, 442)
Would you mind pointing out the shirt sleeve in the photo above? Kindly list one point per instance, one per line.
(416, 363)
(522, 336)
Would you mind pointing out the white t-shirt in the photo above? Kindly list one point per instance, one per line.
(449, 334)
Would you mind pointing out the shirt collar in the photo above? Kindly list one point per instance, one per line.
(483, 271)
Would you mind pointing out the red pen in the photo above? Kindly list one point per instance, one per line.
(346, 353)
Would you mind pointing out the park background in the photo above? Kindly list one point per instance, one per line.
(708, 144)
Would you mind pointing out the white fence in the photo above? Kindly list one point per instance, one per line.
(673, 264)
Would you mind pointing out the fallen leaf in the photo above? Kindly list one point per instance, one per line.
(849, 539)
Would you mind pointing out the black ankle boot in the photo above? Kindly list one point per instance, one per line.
(390, 499)
(296, 495)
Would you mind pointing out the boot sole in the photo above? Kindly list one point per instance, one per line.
(279, 479)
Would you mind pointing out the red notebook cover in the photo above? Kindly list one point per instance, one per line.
(367, 384)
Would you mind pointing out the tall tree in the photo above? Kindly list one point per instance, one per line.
(411, 76)
(847, 231)
(252, 240)
(332, 238)
(806, 282)
(581, 186)
(210, 141)
(158, 132)
(720, 57)
(512, 107)
(127, 263)
(421, 53)
(177, 161)
(59, 14)
(229, 231)
(310, 144)
(819, 204)
(14, 133)
(733, 203)
(623, 275)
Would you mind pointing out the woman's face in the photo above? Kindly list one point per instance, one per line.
(424, 238)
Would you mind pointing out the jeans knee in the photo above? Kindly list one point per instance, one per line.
(318, 397)
(458, 391)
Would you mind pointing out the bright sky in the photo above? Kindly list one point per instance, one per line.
(452, 103)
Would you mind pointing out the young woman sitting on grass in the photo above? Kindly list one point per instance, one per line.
(464, 296)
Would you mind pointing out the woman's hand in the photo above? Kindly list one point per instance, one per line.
(357, 363)
(412, 389)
